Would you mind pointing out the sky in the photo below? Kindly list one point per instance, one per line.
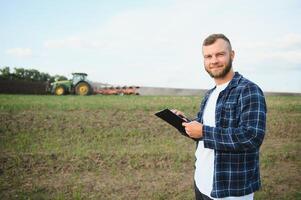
(154, 43)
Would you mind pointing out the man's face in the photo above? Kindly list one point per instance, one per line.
(218, 58)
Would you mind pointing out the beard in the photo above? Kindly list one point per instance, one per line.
(221, 74)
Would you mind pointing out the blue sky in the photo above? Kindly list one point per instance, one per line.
(155, 42)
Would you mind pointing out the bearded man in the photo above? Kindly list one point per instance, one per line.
(229, 129)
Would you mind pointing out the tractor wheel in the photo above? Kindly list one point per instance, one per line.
(82, 89)
(59, 90)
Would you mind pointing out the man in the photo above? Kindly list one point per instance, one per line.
(229, 129)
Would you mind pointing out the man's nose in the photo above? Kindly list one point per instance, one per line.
(213, 60)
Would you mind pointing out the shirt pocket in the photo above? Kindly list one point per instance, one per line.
(229, 115)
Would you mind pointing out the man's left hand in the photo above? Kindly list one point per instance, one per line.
(194, 129)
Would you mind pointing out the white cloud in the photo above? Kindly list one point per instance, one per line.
(285, 42)
(72, 42)
(144, 41)
(292, 56)
(290, 41)
(283, 49)
(153, 43)
(19, 52)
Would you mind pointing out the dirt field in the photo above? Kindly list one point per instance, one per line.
(113, 147)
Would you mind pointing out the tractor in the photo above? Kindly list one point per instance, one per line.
(77, 85)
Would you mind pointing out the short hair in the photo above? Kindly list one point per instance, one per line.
(213, 37)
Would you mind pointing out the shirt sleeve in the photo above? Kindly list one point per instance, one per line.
(251, 126)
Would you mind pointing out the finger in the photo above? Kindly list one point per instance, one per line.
(174, 111)
(184, 124)
(181, 114)
(187, 131)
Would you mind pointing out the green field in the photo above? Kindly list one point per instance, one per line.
(113, 147)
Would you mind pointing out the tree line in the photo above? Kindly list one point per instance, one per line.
(27, 74)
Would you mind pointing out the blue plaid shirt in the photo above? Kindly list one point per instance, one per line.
(240, 127)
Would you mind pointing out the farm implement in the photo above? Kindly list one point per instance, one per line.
(131, 90)
(80, 85)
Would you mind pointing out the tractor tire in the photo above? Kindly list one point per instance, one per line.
(83, 89)
(59, 90)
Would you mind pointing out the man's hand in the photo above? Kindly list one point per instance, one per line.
(194, 129)
(181, 114)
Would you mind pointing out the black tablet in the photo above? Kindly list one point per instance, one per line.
(173, 119)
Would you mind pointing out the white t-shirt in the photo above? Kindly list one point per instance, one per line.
(204, 165)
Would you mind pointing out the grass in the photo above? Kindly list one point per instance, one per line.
(112, 147)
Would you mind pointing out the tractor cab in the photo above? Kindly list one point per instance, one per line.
(77, 77)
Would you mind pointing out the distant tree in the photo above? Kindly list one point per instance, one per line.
(5, 73)
(28, 74)
(44, 77)
(60, 78)
(19, 73)
(34, 74)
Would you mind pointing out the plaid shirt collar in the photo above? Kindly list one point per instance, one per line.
(233, 83)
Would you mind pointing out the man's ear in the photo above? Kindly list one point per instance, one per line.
(232, 54)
